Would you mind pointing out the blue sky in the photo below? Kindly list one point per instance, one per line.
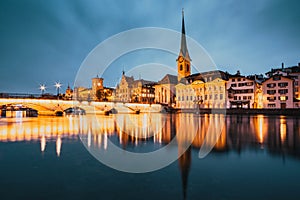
(46, 41)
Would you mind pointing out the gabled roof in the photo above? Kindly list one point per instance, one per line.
(128, 79)
(168, 79)
(278, 75)
(292, 69)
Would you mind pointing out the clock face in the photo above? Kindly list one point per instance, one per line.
(180, 59)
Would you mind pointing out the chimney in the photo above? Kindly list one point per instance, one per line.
(282, 65)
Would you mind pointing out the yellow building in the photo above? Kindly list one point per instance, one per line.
(138, 91)
(69, 93)
(97, 86)
(202, 90)
(96, 93)
(214, 94)
(165, 91)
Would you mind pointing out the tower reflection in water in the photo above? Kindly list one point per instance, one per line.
(278, 135)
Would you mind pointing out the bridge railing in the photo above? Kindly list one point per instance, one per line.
(27, 95)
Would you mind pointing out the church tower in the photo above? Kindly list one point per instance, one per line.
(183, 60)
(97, 84)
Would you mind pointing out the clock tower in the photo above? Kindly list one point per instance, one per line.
(183, 60)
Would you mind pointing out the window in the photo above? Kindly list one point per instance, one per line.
(271, 98)
(205, 97)
(216, 96)
(239, 79)
(180, 67)
(283, 84)
(210, 96)
(271, 85)
(296, 82)
(221, 96)
(272, 105)
(244, 97)
(276, 78)
(233, 80)
(249, 97)
(187, 98)
(241, 84)
(233, 85)
(187, 67)
(283, 98)
(235, 97)
(283, 91)
(240, 98)
(178, 98)
(249, 83)
(191, 98)
(271, 91)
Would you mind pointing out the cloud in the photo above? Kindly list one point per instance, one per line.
(47, 41)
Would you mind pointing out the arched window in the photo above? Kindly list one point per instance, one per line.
(180, 67)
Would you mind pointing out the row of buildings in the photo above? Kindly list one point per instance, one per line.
(213, 89)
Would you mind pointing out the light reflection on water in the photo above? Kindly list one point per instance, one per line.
(277, 135)
(238, 132)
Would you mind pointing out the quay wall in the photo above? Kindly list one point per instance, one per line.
(234, 111)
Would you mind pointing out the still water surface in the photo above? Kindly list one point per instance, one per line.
(255, 157)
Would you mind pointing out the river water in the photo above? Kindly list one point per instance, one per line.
(245, 157)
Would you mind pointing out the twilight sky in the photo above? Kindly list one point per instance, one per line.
(46, 41)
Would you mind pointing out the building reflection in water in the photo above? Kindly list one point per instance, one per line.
(278, 135)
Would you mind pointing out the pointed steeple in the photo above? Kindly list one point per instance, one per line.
(183, 60)
(183, 48)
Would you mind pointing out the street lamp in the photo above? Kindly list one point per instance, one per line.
(57, 85)
(42, 88)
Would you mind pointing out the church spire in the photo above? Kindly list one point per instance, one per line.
(183, 60)
(183, 48)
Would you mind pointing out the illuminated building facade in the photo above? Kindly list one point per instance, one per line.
(69, 93)
(202, 90)
(96, 93)
(292, 72)
(244, 92)
(165, 91)
(278, 92)
(135, 91)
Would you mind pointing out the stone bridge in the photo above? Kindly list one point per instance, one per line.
(51, 107)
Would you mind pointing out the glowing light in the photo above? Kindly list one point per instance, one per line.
(282, 130)
(58, 146)
(42, 88)
(57, 85)
(43, 143)
(282, 98)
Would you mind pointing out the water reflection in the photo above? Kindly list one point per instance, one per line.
(277, 135)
